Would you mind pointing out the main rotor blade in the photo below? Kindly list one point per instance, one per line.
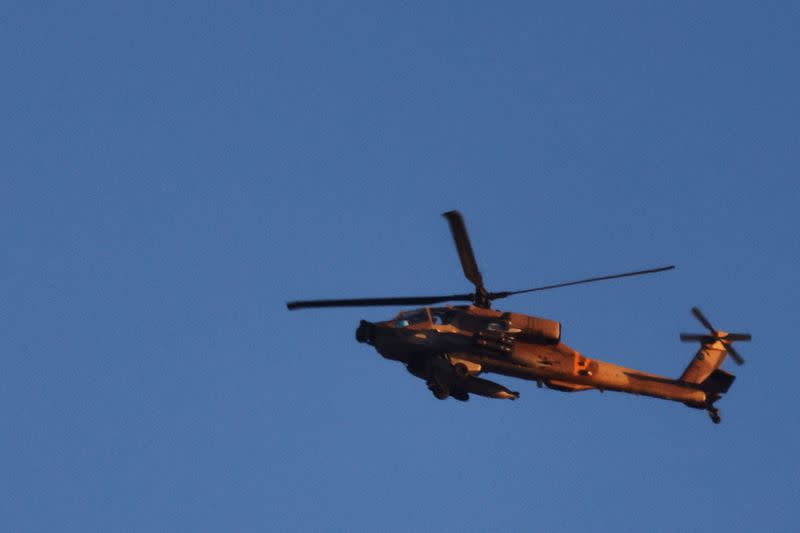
(738, 337)
(464, 247)
(496, 295)
(703, 320)
(364, 302)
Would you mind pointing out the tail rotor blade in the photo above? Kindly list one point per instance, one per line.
(738, 337)
(703, 320)
(734, 354)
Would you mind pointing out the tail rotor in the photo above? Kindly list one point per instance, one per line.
(716, 335)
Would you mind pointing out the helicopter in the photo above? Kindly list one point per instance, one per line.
(449, 346)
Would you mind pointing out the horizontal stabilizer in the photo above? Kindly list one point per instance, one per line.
(718, 382)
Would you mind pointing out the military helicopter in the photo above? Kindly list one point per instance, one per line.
(450, 346)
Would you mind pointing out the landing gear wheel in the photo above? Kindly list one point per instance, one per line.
(461, 370)
(714, 415)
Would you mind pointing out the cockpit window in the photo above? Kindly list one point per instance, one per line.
(442, 316)
(408, 318)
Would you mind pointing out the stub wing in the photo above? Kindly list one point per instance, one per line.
(566, 386)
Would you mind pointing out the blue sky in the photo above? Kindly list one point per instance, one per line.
(171, 175)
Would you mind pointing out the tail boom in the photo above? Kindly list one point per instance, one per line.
(708, 359)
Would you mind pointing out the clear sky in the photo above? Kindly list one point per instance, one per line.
(172, 173)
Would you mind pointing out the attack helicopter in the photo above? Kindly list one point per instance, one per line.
(449, 346)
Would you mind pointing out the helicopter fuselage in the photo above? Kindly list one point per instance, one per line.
(450, 346)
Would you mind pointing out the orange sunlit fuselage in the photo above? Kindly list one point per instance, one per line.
(450, 346)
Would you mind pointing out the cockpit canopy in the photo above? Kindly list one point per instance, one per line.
(409, 318)
(522, 327)
(433, 315)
